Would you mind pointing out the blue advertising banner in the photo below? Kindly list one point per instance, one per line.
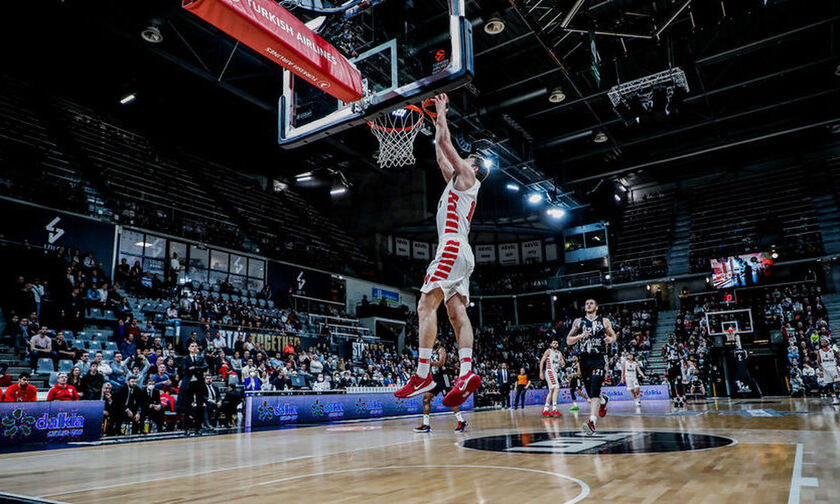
(277, 410)
(50, 422)
(648, 393)
(52, 229)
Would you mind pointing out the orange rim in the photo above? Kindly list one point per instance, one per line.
(427, 103)
(412, 108)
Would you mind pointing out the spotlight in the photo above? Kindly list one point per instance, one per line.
(774, 255)
(152, 35)
(512, 187)
(617, 198)
(128, 99)
(472, 304)
(304, 179)
(304, 175)
(556, 213)
(337, 191)
(647, 286)
(487, 163)
(495, 26)
(600, 137)
(554, 298)
(535, 198)
(557, 95)
(607, 276)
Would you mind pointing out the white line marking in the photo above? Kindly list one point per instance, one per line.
(24, 497)
(796, 479)
(584, 488)
(222, 469)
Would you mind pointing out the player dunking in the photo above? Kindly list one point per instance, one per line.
(438, 361)
(551, 362)
(448, 276)
(827, 359)
(596, 333)
(630, 373)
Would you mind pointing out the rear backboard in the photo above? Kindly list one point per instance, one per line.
(405, 51)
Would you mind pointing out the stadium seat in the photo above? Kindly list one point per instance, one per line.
(83, 336)
(99, 336)
(68, 333)
(261, 303)
(93, 345)
(110, 345)
(45, 366)
(226, 296)
(108, 355)
(79, 344)
(65, 365)
(109, 314)
(270, 304)
(235, 298)
(53, 378)
(95, 313)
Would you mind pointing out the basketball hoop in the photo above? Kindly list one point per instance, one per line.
(730, 335)
(396, 132)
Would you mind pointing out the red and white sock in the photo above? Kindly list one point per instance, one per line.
(423, 360)
(465, 354)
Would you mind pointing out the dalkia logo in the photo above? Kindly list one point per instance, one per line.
(600, 443)
(335, 410)
(284, 412)
(62, 425)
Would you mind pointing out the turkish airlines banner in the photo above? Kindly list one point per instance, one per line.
(485, 254)
(274, 32)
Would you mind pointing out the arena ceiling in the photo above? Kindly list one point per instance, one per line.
(763, 76)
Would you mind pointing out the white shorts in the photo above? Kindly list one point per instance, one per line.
(632, 383)
(451, 269)
(551, 378)
(830, 375)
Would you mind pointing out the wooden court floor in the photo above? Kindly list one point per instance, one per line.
(777, 451)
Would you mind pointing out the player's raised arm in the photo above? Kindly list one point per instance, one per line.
(448, 158)
(573, 338)
(608, 328)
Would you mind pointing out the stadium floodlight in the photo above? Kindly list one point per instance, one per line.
(304, 179)
(556, 213)
(125, 100)
(512, 187)
(304, 174)
(535, 198)
(487, 163)
(337, 191)
(774, 255)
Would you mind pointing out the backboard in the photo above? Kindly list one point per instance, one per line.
(405, 51)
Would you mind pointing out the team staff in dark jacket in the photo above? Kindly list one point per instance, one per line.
(193, 367)
(129, 403)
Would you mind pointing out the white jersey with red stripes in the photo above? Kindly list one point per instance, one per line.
(455, 211)
(554, 359)
(454, 262)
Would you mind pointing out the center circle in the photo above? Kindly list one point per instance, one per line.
(600, 443)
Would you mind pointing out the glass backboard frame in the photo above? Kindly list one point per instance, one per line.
(458, 72)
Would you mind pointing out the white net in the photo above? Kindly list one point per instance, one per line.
(396, 132)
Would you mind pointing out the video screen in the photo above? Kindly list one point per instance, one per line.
(741, 270)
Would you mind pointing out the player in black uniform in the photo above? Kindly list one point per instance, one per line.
(745, 386)
(674, 356)
(438, 361)
(573, 374)
(594, 333)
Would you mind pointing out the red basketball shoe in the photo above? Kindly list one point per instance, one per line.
(602, 411)
(588, 428)
(556, 413)
(546, 413)
(463, 388)
(416, 386)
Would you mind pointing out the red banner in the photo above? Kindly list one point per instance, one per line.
(275, 33)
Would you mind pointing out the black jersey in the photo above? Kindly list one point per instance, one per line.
(672, 355)
(594, 346)
(741, 356)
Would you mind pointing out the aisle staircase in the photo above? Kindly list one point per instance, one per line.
(664, 326)
(832, 304)
(678, 263)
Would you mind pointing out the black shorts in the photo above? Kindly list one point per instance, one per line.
(674, 374)
(440, 384)
(574, 383)
(592, 373)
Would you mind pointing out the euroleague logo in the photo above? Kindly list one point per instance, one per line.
(440, 55)
(600, 443)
